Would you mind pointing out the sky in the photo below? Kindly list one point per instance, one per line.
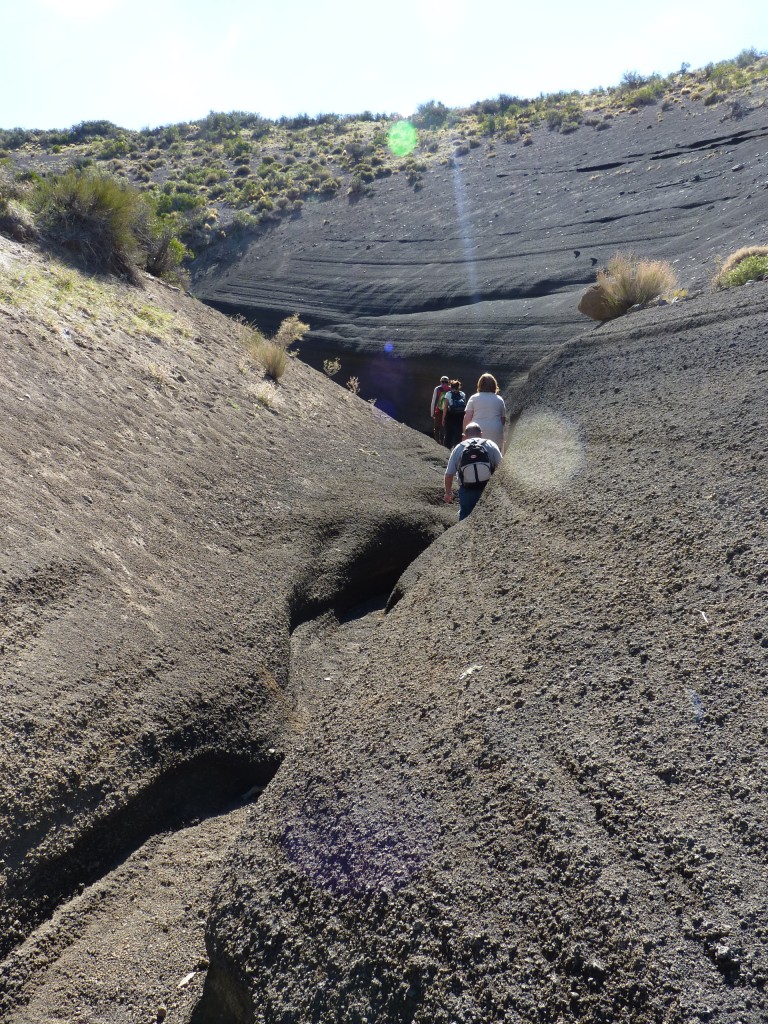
(144, 63)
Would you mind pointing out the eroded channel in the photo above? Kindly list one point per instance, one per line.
(115, 929)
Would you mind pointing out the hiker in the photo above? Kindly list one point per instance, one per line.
(487, 408)
(435, 409)
(474, 460)
(454, 408)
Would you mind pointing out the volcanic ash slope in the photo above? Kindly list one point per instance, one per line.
(169, 517)
(534, 790)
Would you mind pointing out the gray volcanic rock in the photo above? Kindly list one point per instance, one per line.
(482, 267)
(534, 789)
(167, 524)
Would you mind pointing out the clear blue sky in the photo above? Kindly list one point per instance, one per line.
(142, 63)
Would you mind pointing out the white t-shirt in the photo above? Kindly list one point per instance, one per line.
(487, 410)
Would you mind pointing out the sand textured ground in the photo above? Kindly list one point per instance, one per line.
(283, 742)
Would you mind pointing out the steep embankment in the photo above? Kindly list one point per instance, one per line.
(534, 791)
(169, 519)
(480, 267)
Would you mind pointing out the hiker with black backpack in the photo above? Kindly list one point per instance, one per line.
(474, 461)
(453, 414)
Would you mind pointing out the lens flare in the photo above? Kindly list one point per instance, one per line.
(544, 451)
(402, 138)
(389, 347)
(361, 841)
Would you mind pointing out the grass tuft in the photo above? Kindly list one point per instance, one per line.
(271, 353)
(95, 217)
(628, 280)
(750, 263)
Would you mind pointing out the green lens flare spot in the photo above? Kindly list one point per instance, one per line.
(402, 138)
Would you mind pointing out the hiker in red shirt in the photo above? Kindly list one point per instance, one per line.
(436, 409)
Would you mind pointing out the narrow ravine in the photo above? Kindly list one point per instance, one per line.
(115, 931)
(321, 649)
(130, 946)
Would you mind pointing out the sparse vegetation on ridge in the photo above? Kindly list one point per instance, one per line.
(237, 171)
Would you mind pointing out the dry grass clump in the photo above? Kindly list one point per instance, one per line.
(274, 359)
(750, 263)
(272, 353)
(290, 331)
(627, 281)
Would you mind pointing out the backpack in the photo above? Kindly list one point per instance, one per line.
(455, 404)
(442, 398)
(475, 469)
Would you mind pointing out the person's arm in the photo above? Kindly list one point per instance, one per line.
(448, 481)
(432, 406)
(468, 413)
(450, 472)
(503, 412)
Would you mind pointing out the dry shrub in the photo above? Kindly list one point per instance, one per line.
(628, 280)
(290, 331)
(17, 221)
(274, 359)
(271, 353)
(750, 263)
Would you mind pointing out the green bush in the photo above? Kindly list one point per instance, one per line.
(431, 115)
(96, 217)
(165, 256)
(108, 224)
(749, 263)
(177, 200)
(643, 97)
(747, 57)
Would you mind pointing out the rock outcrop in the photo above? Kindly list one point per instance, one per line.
(595, 304)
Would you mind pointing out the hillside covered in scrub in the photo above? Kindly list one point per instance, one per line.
(458, 241)
(280, 739)
(482, 266)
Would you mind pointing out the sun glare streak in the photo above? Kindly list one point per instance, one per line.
(464, 234)
(544, 451)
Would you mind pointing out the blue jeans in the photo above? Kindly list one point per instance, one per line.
(468, 498)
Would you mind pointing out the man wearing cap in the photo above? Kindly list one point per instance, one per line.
(436, 409)
(474, 460)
